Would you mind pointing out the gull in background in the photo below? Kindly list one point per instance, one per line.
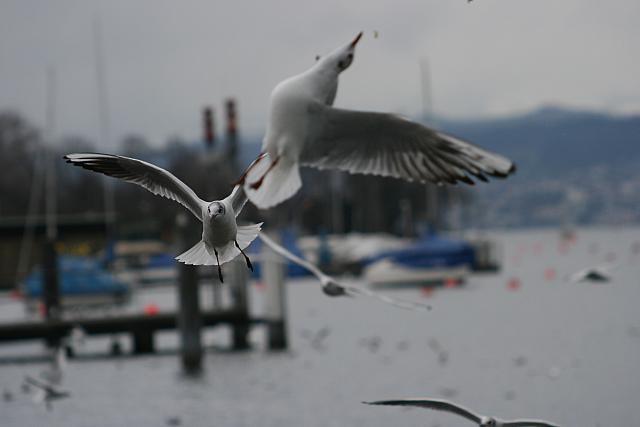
(444, 405)
(222, 239)
(333, 288)
(600, 273)
(304, 129)
(44, 392)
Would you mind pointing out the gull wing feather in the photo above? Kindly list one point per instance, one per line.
(528, 423)
(331, 286)
(237, 198)
(437, 404)
(155, 179)
(389, 145)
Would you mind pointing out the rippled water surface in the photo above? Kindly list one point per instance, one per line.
(568, 353)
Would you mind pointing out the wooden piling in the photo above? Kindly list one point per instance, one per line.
(273, 275)
(143, 341)
(238, 275)
(50, 287)
(189, 315)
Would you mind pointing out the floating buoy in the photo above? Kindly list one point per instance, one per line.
(550, 273)
(450, 282)
(426, 291)
(514, 284)
(150, 309)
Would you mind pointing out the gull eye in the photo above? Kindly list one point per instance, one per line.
(350, 56)
(340, 64)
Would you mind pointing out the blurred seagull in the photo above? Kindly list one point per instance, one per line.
(599, 273)
(304, 129)
(222, 239)
(333, 288)
(443, 405)
(45, 392)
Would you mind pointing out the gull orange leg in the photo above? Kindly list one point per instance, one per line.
(259, 182)
(243, 177)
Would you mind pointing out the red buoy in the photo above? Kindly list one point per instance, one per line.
(550, 273)
(150, 309)
(514, 284)
(426, 291)
(450, 282)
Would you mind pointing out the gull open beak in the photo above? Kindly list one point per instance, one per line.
(356, 40)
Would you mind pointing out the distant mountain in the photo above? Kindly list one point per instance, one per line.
(573, 166)
(553, 140)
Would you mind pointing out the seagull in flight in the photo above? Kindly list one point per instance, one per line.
(304, 129)
(222, 238)
(599, 273)
(333, 288)
(444, 405)
(46, 393)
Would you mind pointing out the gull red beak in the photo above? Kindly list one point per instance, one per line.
(356, 40)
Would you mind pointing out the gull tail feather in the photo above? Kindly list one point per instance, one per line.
(199, 254)
(280, 184)
(247, 234)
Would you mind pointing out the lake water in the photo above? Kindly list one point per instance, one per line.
(567, 353)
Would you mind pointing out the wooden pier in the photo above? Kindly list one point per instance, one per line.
(141, 326)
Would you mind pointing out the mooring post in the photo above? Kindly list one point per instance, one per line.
(238, 278)
(189, 316)
(143, 341)
(273, 275)
(50, 287)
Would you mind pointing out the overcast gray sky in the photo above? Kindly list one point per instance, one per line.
(166, 59)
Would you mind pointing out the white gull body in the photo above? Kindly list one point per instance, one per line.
(444, 405)
(304, 129)
(222, 239)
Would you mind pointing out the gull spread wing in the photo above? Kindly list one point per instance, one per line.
(389, 145)
(237, 198)
(334, 288)
(42, 386)
(151, 177)
(437, 404)
(528, 423)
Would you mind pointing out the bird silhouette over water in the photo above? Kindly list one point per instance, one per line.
(45, 392)
(444, 405)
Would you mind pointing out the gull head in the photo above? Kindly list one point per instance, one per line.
(341, 58)
(488, 422)
(333, 289)
(215, 209)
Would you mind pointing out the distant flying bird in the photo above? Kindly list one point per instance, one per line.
(444, 405)
(45, 392)
(333, 288)
(222, 239)
(304, 129)
(598, 273)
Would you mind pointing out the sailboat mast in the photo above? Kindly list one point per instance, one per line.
(51, 181)
(103, 118)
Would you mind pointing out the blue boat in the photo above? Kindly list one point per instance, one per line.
(433, 259)
(81, 280)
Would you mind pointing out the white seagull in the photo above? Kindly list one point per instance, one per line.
(333, 288)
(599, 273)
(222, 239)
(304, 129)
(44, 392)
(444, 405)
